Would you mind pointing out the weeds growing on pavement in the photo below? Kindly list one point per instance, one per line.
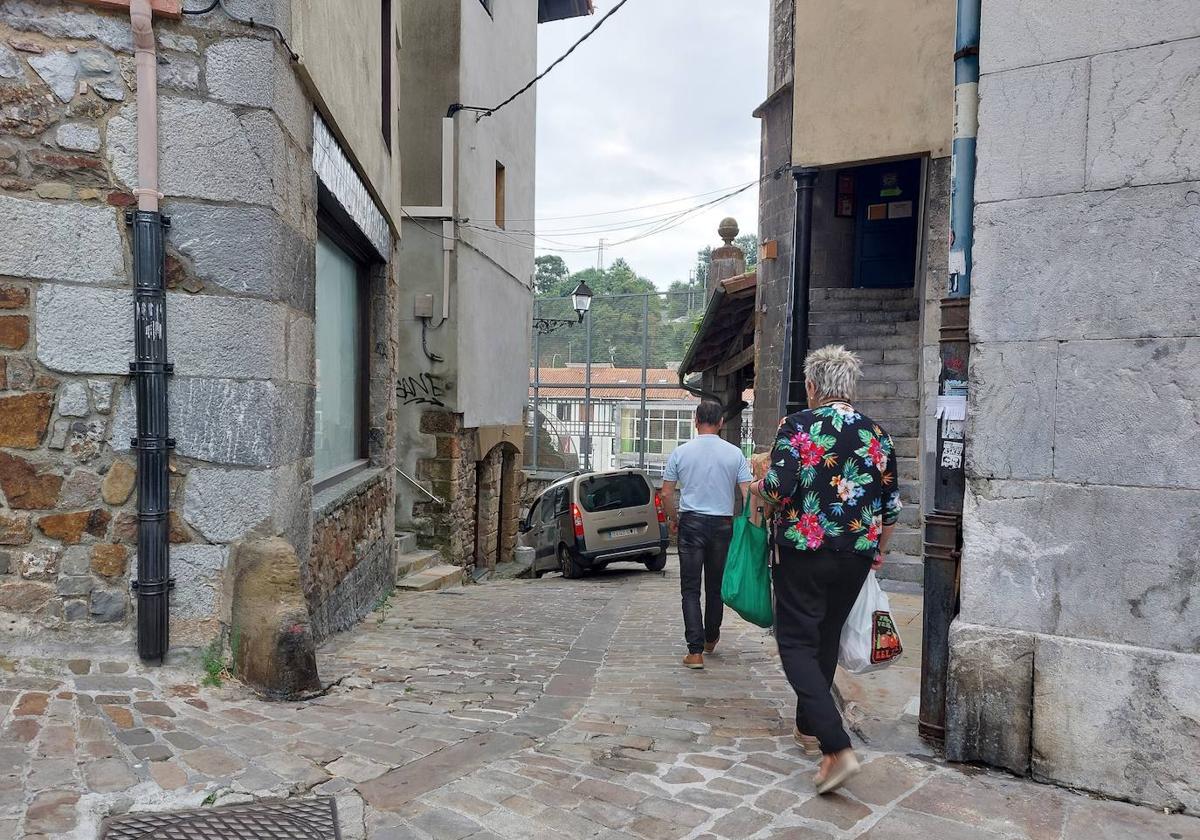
(213, 660)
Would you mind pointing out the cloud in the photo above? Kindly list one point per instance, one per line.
(653, 107)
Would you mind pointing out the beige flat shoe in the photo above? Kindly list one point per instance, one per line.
(845, 767)
(808, 744)
(695, 661)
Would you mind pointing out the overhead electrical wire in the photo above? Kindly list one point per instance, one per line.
(487, 112)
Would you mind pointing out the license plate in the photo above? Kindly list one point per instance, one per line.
(624, 532)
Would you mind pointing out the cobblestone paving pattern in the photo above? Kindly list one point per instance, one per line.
(522, 709)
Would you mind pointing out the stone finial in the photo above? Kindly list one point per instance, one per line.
(728, 229)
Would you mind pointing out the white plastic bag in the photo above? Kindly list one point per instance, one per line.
(870, 640)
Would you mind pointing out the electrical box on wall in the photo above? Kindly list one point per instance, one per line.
(423, 306)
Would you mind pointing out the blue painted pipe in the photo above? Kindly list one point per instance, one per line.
(962, 160)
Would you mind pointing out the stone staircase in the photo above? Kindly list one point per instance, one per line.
(422, 570)
(883, 327)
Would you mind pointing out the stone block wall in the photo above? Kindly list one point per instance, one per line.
(236, 169)
(449, 474)
(1080, 559)
(487, 508)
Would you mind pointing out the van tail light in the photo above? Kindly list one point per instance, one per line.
(578, 518)
(658, 506)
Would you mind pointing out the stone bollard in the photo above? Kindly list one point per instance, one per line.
(271, 638)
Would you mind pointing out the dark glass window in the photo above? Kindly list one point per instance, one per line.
(613, 492)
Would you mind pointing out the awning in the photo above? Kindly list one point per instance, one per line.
(725, 338)
(549, 10)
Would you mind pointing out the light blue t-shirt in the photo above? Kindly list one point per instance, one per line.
(708, 470)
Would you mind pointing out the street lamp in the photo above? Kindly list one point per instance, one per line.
(581, 299)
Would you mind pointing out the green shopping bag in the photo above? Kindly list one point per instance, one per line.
(746, 586)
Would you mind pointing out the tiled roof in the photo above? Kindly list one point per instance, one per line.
(609, 383)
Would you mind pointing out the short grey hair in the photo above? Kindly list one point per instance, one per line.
(834, 372)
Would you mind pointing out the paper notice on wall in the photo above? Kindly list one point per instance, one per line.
(951, 407)
(952, 454)
(958, 261)
(952, 429)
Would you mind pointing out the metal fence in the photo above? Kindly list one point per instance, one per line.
(605, 393)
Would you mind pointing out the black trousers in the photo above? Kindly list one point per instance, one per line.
(703, 544)
(814, 593)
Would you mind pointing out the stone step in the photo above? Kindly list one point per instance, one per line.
(906, 447)
(847, 294)
(406, 541)
(435, 577)
(884, 390)
(879, 372)
(902, 567)
(889, 409)
(910, 515)
(863, 343)
(416, 561)
(906, 540)
(850, 331)
(858, 317)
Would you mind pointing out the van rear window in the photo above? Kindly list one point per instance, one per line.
(613, 492)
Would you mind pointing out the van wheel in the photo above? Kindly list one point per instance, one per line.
(657, 563)
(567, 564)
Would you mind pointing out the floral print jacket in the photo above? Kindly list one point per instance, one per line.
(832, 481)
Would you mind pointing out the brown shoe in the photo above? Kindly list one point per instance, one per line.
(695, 661)
(709, 647)
(808, 744)
(841, 769)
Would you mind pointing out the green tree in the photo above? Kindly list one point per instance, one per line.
(551, 272)
(748, 242)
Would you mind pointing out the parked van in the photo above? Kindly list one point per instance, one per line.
(588, 521)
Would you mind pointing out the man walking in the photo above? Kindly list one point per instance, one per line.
(708, 471)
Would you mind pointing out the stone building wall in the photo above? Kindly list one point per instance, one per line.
(236, 169)
(776, 217)
(487, 508)
(449, 473)
(1076, 655)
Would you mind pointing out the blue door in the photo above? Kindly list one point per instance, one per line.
(887, 206)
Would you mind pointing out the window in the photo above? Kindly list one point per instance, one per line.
(386, 41)
(340, 417)
(499, 194)
(667, 428)
(614, 492)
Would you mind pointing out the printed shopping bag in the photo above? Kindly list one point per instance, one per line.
(870, 640)
(746, 586)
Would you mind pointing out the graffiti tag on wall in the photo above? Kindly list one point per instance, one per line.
(422, 389)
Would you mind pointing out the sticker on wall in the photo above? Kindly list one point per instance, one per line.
(876, 212)
(952, 455)
(891, 185)
(900, 210)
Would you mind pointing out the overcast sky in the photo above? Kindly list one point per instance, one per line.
(654, 107)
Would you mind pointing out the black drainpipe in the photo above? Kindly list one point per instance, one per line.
(153, 447)
(792, 397)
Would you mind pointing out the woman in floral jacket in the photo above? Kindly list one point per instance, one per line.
(831, 479)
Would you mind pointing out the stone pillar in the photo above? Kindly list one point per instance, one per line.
(727, 260)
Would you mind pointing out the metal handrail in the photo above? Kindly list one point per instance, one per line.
(419, 486)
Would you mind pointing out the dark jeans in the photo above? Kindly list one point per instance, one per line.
(814, 592)
(703, 544)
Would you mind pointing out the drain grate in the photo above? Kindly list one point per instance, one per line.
(301, 819)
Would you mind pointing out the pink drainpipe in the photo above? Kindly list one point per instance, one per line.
(141, 16)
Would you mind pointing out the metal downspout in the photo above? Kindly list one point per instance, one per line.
(795, 332)
(943, 526)
(150, 367)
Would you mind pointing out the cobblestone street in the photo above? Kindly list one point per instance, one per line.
(519, 709)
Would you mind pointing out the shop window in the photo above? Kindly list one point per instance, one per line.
(341, 369)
